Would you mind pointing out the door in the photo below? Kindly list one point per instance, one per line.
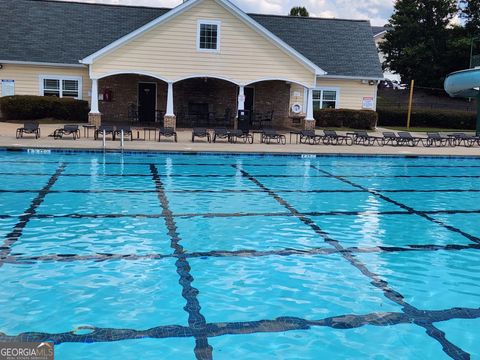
(147, 100)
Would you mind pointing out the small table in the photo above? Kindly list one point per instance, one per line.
(297, 135)
(149, 130)
(257, 132)
(86, 130)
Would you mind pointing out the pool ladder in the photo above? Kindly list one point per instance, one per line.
(122, 140)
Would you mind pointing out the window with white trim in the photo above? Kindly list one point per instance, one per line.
(208, 35)
(325, 99)
(61, 86)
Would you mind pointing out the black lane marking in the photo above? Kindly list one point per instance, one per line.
(196, 320)
(448, 347)
(280, 324)
(401, 205)
(23, 219)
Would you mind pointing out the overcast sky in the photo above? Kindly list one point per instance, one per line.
(377, 11)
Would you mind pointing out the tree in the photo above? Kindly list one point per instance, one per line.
(470, 11)
(299, 11)
(416, 43)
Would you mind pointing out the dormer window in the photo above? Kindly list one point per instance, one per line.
(208, 35)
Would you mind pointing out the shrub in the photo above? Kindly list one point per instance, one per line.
(355, 119)
(27, 107)
(451, 119)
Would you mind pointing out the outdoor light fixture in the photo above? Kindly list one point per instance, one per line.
(1, 66)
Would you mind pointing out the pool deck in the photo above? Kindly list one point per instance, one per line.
(184, 144)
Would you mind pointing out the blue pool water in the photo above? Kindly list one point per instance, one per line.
(171, 256)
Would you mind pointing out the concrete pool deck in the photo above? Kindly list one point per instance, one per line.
(184, 144)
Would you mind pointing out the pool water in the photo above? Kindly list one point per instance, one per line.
(171, 256)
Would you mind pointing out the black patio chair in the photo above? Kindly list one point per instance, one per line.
(270, 135)
(109, 130)
(200, 132)
(221, 133)
(29, 128)
(405, 138)
(435, 139)
(127, 131)
(466, 140)
(267, 119)
(309, 136)
(167, 132)
(390, 138)
(331, 137)
(237, 134)
(67, 130)
(361, 137)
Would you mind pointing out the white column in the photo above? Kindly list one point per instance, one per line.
(310, 105)
(241, 98)
(94, 97)
(169, 111)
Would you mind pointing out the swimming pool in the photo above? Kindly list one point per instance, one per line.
(177, 256)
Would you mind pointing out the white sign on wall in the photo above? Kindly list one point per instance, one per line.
(8, 87)
(367, 103)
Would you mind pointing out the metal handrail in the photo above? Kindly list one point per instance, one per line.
(104, 140)
(122, 140)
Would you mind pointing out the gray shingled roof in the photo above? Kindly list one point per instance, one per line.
(378, 29)
(65, 32)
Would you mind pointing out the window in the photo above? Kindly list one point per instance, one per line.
(208, 35)
(61, 86)
(324, 99)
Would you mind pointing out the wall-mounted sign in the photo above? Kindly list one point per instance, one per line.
(8, 87)
(367, 103)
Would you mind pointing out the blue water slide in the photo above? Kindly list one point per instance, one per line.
(465, 83)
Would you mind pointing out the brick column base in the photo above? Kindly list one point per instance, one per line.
(95, 119)
(309, 124)
(170, 121)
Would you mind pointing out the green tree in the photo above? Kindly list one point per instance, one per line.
(299, 11)
(418, 39)
(470, 11)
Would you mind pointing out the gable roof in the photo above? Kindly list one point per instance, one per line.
(378, 30)
(64, 32)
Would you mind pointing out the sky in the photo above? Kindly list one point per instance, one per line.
(377, 11)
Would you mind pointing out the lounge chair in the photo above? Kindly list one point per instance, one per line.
(309, 136)
(465, 139)
(221, 133)
(390, 138)
(109, 130)
(244, 135)
(201, 133)
(405, 138)
(29, 128)
(67, 130)
(332, 138)
(167, 132)
(270, 134)
(127, 131)
(435, 139)
(361, 137)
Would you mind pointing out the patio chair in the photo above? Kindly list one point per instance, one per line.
(361, 137)
(109, 130)
(309, 136)
(29, 128)
(435, 139)
(67, 130)
(269, 135)
(390, 138)
(200, 132)
(465, 139)
(332, 138)
(220, 133)
(405, 138)
(167, 132)
(267, 119)
(244, 135)
(127, 131)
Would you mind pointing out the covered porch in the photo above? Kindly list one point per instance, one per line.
(204, 101)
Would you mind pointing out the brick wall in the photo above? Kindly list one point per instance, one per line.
(273, 95)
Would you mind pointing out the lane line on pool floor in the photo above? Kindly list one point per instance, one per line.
(12, 237)
(449, 348)
(401, 205)
(196, 320)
